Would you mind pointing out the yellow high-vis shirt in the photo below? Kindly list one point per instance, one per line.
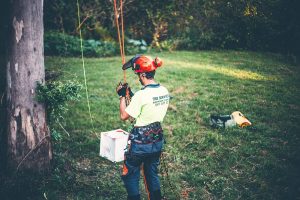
(149, 105)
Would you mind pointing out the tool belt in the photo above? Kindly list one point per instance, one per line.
(147, 134)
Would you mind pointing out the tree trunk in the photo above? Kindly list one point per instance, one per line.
(3, 43)
(28, 136)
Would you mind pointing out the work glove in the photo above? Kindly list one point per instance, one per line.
(130, 92)
(121, 90)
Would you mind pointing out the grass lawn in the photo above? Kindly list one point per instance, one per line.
(258, 162)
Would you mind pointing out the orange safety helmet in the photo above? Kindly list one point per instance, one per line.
(142, 63)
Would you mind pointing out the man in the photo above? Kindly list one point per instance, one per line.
(148, 107)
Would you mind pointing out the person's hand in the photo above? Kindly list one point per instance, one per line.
(121, 89)
(130, 92)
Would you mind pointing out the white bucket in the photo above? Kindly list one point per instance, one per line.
(113, 144)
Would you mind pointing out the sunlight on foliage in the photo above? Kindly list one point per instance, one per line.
(250, 10)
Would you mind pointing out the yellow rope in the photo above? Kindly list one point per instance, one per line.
(121, 39)
(83, 66)
(120, 32)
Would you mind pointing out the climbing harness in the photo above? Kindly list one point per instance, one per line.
(149, 134)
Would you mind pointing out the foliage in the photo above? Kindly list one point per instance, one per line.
(169, 45)
(196, 24)
(135, 46)
(56, 95)
(60, 44)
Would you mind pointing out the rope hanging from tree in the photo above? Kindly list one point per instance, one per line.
(120, 32)
(83, 65)
(121, 39)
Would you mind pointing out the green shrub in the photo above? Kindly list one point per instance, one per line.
(55, 95)
(59, 44)
(195, 41)
(169, 45)
(108, 49)
(90, 47)
(135, 46)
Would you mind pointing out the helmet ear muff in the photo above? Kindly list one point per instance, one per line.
(135, 66)
(143, 74)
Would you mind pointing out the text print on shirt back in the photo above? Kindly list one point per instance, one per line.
(161, 100)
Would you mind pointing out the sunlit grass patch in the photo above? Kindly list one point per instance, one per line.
(223, 70)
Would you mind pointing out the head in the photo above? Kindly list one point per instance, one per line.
(144, 67)
(146, 77)
(143, 64)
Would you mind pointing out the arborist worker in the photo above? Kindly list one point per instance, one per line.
(148, 107)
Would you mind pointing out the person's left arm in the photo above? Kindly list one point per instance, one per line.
(123, 114)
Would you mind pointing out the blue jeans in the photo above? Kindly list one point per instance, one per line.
(146, 156)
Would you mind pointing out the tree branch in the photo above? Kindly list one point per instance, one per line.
(25, 157)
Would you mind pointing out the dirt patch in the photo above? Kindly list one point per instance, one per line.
(170, 129)
(179, 90)
(198, 119)
(192, 95)
(172, 107)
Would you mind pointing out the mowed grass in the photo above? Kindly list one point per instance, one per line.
(257, 162)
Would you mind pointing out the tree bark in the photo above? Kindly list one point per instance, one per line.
(29, 145)
(3, 43)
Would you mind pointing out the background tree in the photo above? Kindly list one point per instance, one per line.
(269, 25)
(28, 135)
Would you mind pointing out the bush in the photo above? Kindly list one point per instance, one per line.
(200, 40)
(135, 46)
(56, 94)
(59, 44)
(169, 45)
(108, 49)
